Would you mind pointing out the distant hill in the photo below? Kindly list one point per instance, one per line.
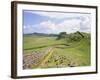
(42, 34)
(76, 36)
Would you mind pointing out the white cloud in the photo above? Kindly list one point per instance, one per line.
(57, 15)
(25, 27)
(69, 25)
(48, 24)
(50, 27)
(76, 22)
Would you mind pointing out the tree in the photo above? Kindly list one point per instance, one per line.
(77, 36)
(61, 35)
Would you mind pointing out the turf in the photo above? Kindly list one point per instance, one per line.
(64, 54)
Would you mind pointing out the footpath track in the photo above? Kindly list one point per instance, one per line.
(49, 53)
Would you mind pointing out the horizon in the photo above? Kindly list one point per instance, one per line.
(54, 33)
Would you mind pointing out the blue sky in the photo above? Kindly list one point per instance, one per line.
(55, 22)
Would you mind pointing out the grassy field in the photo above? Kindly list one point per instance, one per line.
(47, 52)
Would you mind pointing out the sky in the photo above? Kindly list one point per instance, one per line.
(50, 22)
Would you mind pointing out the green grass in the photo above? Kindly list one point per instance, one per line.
(38, 42)
(77, 53)
(80, 52)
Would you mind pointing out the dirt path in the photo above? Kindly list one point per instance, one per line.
(46, 57)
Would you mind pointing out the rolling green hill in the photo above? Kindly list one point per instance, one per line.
(69, 50)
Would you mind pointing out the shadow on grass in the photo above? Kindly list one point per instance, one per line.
(53, 45)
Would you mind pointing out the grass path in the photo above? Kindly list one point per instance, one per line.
(50, 51)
